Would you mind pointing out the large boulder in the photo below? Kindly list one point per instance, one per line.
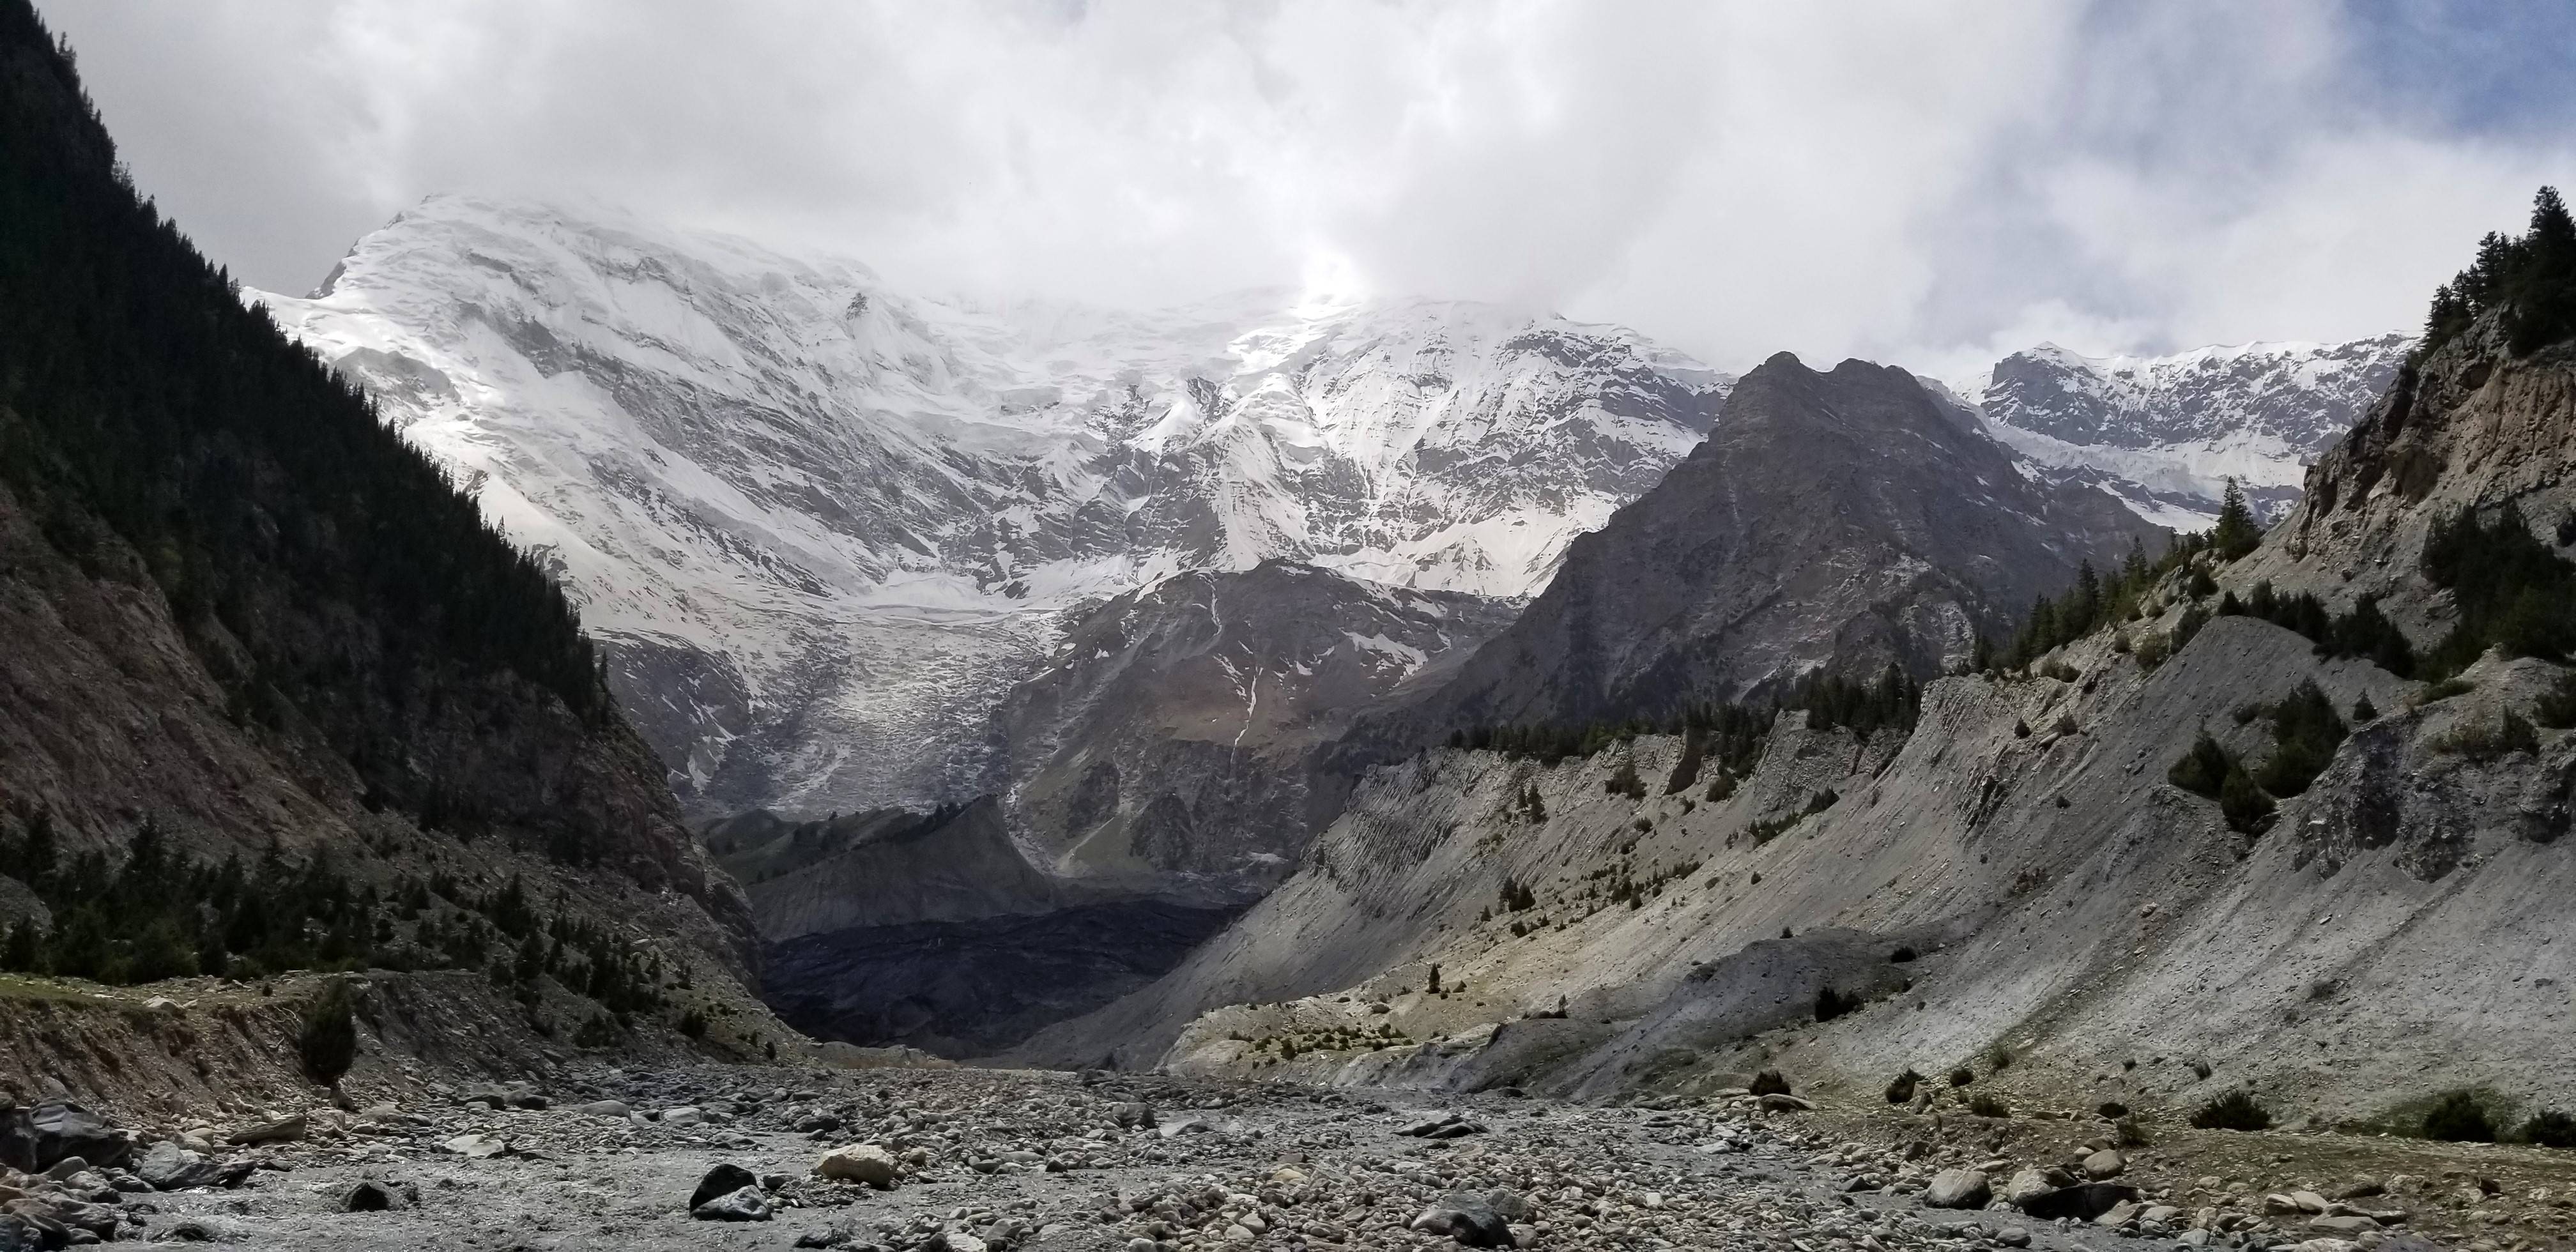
(2026, 1184)
(1469, 1218)
(32, 1139)
(724, 1179)
(860, 1163)
(170, 1167)
(742, 1204)
(1958, 1189)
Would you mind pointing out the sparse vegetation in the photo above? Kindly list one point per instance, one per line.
(1900, 1090)
(2549, 1129)
(1770, 1082)
(327, 1040)
(2531, 280)
(1988, 1104)
(2482, 743)
(2236, 1110)
(2459, 1117)
(2305, 732)
(1831, 1004)
(2511, 592)
(1962, 1076)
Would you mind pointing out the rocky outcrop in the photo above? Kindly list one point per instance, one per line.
(1172, 737)
(1846, 519)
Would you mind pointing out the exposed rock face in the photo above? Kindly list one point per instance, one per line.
(2164, 433)
(2472, 427)
(824, 525)
(1848, 519)
(2047, 892)
(1173, 731)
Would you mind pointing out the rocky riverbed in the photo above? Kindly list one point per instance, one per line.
(960, 1160)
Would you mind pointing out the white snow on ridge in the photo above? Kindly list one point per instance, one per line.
(2164, 433)
(807, 510)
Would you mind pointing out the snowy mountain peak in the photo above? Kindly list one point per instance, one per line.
(822, 522)
(2164, 432)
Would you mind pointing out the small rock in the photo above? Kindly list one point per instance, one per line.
(1135, 1115)
(605, 1108)
(367, 1195)
(2013, 1237)
(2308, 1201)
(477, 1147)
(283, 1130)
(2024, 1185)
(2105, 1164)
(2342, 1227)
(1958, 1189)
(2082, 1202)
(860, 1163)
(743, 1204)
(685, 1115)
(1782, 1102)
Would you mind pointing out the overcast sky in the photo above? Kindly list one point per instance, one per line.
(1921, 183)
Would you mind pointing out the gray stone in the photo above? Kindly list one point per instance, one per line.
(1135, 1115)
(605, 1108)
(2026, 1184)
(2342, 1227)
(685, 1115)
(283, 1130)
(2082, 1202)
(478, 1147)
(2013, 1237)
(369, 1195)
(1468, 1218)
(2105, 1164)
(743, 1204)
(1958, 1189)
(170, 1167)
(723, 1179)
(860, 1163)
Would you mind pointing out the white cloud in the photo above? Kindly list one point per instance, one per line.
(1913, 181)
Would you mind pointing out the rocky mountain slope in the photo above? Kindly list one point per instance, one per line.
(2019, 889)
(2164, 433)
(1844, 519)
(273, 696)
(821, 526)
(1175, 731)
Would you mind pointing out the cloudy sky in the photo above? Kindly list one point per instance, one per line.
(1923, 183)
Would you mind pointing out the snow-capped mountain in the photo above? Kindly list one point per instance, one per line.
(823, 525)
(2164, 433)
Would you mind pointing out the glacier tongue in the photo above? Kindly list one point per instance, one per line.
(822, 525)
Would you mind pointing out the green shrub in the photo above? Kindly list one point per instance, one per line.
(2243, 804)
(328, 1038)
(2305, 732)
(1769, 1082)
(2512, 733)
(2236, 1110)
(2458, 1117)
(2363, 711)
(2203, 770)
(1831, 1004)
(1962, 1076)
(1987, 1104)
(2549, 1129)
